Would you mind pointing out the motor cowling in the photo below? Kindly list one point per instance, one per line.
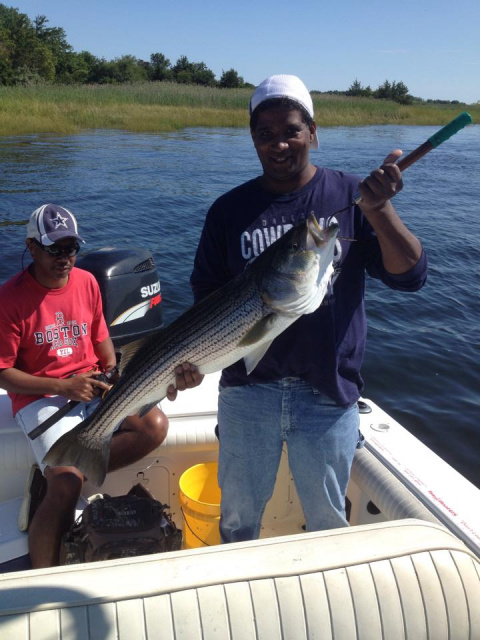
(130, 289)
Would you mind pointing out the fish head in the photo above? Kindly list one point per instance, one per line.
(295, 270)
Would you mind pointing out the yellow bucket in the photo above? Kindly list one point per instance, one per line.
(200, 501)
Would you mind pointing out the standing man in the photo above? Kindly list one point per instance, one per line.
(305, 389)
(54, 343)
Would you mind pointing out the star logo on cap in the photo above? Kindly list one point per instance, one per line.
(59, 221)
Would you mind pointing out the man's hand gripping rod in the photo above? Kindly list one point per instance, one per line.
(443, 134)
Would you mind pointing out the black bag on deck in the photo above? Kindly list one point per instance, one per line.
(120, 527)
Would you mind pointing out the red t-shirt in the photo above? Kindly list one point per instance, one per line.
(50, 332)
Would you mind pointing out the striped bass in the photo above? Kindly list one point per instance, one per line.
(239, 320)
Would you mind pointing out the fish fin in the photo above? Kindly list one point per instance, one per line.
(84, 454)
(258, 331)
(253, 358)
(144, 410)
(128, 351)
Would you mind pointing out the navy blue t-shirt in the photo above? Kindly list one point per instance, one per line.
(326, 347)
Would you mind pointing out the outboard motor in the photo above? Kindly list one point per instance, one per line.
(130, 289)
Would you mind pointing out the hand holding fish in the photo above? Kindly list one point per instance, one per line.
(381, 185)
(187, 376)
(83, 387)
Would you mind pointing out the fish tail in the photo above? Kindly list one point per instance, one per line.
(89, 455)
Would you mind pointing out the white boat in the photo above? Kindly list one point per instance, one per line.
(408, 566)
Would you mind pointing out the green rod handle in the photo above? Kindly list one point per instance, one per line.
(449, 129)
(444, 134)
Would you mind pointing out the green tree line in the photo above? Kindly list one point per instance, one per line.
(32, 52)
(395, 91)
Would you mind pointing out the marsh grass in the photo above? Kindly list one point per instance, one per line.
(169, 107)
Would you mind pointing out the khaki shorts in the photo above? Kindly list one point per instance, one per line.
(37, 412)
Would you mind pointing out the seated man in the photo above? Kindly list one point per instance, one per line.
(54, 343)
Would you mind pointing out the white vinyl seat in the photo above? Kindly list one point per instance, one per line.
(404, 579)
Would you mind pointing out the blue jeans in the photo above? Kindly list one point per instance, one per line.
(254, 421)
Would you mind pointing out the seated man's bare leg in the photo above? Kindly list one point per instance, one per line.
(137, 437)
(54, 515)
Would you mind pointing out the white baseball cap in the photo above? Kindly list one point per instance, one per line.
(284, 86)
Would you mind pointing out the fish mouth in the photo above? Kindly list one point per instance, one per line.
(320, 236)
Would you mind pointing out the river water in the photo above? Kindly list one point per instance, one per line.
(423, 356)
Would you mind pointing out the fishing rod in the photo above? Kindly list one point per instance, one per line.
(443, 134)
(59, 413)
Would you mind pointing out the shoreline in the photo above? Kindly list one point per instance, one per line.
(164, 107)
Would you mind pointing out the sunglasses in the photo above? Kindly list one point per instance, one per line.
(57, 250)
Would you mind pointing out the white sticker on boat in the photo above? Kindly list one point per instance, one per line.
(135, 312)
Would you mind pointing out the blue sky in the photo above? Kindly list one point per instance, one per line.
(433, 46)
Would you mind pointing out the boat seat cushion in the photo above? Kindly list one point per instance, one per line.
(404, 579)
